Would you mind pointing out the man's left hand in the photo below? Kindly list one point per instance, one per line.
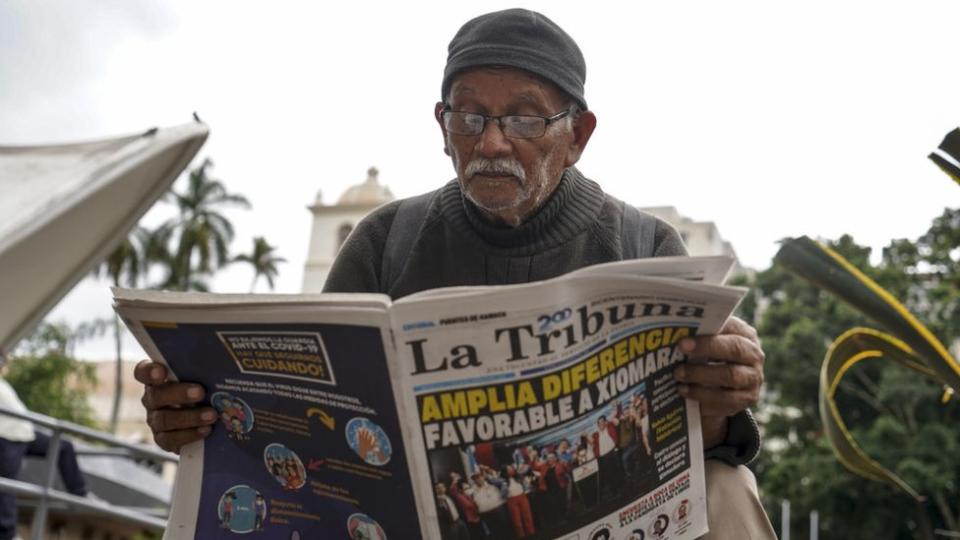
(729, 383)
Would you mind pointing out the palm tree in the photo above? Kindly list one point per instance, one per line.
(201, 236)
(125, 266)
(202, 233)
(263, 260)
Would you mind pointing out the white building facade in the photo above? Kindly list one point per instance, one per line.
(332, 224)
(701, 237)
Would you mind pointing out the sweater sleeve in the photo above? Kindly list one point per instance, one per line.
(742, 443)
(358, 263)
(667, 241)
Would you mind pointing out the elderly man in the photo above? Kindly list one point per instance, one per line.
(515, 121)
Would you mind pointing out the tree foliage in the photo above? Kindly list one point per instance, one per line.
(188, 249)
(126, 265)
(263, 260)
(48, 379)
(200, 233)
(896, 416)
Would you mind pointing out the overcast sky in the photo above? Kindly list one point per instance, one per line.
(772, 119)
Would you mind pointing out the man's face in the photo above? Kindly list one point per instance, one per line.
(440, 489)
(508, 178)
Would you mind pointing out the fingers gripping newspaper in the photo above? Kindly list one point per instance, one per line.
(543, 410)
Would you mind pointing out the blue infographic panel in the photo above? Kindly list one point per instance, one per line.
(307, 443)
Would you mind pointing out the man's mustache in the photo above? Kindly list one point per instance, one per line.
(495, 167)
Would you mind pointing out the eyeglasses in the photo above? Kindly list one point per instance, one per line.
(515, 126)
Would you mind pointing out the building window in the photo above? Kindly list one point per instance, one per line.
(342, 233)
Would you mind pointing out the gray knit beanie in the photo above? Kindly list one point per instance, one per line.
(521, 39)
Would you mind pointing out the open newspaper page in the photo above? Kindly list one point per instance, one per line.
(308, 441)
(713, 269)
(549, 410)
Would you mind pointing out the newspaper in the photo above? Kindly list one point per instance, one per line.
(542, 410)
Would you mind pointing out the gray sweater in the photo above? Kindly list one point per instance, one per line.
(579, 226)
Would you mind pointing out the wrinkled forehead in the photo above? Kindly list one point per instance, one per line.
(521, 84)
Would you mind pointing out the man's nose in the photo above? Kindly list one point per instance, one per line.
(493, 143)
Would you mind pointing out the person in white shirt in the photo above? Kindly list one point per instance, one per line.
(490, 502)
(17, 439)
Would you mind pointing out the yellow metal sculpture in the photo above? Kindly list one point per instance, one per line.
(947, 155)
(906, 341)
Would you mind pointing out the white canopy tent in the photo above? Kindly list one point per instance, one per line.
(65, 207)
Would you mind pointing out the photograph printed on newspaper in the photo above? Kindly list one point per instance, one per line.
(555, 414)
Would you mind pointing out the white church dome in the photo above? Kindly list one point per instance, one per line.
(370, 192)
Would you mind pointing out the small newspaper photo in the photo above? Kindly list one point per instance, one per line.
(542, 410)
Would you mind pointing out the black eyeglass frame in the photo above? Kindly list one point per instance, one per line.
(547, 120)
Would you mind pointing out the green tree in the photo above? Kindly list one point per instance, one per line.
(895, 415)
(263, 261)
(189, 247)
(200, 233)
(47, 377)
(126, 266)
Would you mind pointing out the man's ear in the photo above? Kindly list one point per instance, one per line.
(583, 126)
(437, 110)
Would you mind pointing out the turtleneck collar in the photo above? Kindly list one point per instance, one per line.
(572, 207)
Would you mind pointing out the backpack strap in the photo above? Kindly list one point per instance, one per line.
(636, 234)
(404, 230)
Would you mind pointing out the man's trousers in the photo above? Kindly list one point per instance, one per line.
(11, 458)
(733, 504)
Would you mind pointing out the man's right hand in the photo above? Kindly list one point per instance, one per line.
(172, 413)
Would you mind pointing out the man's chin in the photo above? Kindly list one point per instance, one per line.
(494, 203)
(497, 209)
(494, 191)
